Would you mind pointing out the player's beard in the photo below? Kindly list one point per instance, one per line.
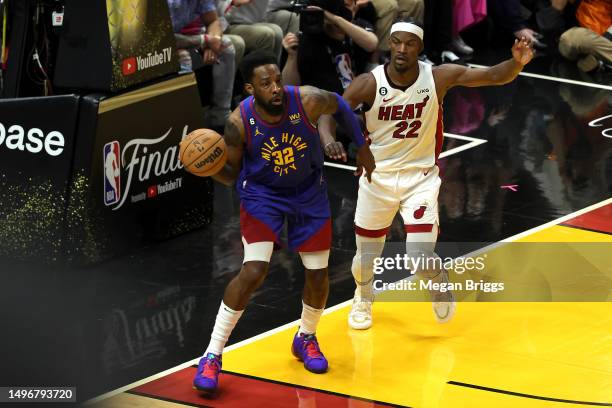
(270, 108)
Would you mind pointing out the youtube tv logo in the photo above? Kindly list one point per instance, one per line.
(129, 66)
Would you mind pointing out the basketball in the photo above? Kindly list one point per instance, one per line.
(202, 152)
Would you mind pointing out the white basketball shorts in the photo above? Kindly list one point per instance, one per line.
(413, 192)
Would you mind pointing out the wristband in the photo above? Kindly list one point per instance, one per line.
(202, 41)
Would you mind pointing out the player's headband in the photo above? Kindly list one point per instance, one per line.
(408, 28)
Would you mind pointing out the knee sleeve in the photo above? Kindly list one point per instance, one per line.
(257, 251)
(315, 260)
(367, 250)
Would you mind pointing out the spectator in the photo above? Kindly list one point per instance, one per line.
(342, 45)
(331, 52)
(210, 47)
(591, 43)
(506, 15)
(438, 31)
(280, 13)
(466, 13)
(388, 11)
(246, 19)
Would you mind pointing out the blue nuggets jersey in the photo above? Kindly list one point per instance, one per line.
(280, 155)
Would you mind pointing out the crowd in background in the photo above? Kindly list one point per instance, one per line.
(327, 43)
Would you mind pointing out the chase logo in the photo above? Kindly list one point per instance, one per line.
(112, 173)
(295, 118)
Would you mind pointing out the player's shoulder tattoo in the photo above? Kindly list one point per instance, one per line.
(315, 95)
(317, 101)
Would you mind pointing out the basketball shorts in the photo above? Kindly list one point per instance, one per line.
(413, 192)
(264, 211)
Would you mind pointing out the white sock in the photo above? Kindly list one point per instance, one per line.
(310, 319)
(224, 324)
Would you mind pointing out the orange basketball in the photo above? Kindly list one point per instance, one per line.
(202, 152)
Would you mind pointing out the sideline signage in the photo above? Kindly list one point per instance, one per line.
(129, 177)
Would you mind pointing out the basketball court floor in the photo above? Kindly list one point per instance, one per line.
(530, 162)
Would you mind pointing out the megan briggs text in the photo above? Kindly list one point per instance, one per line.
(469, 285)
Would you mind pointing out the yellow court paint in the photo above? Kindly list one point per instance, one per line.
(558, 350)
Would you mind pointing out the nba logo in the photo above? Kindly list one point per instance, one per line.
(112, 173)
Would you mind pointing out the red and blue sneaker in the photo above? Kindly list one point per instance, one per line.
(306, 348)
(207, 376)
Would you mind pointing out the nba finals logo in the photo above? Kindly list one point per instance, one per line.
(112, 173)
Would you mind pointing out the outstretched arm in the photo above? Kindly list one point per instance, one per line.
(449, 75)
(234, 141)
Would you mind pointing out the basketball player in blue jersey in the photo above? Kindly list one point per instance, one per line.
(403, 115)
(275, 154)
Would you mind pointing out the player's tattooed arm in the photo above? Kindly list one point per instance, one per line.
(234, 142)
(317, 102)
(234, 129)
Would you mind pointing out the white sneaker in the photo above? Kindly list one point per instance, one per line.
(360, 316)
(444, 306)
(449, 56)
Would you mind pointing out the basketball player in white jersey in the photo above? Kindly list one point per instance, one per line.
(403, 114)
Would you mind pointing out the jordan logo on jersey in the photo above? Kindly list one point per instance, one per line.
(283, 152)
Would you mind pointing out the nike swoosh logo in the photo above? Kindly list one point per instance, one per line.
(387, 100)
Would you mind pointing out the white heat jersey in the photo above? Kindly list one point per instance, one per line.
(405, 126)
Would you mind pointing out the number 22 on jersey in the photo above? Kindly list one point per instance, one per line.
(413, 128)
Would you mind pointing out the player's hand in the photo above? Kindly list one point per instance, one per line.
(335, 150)
(522, 52)
(365, 161)
(290, 43)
